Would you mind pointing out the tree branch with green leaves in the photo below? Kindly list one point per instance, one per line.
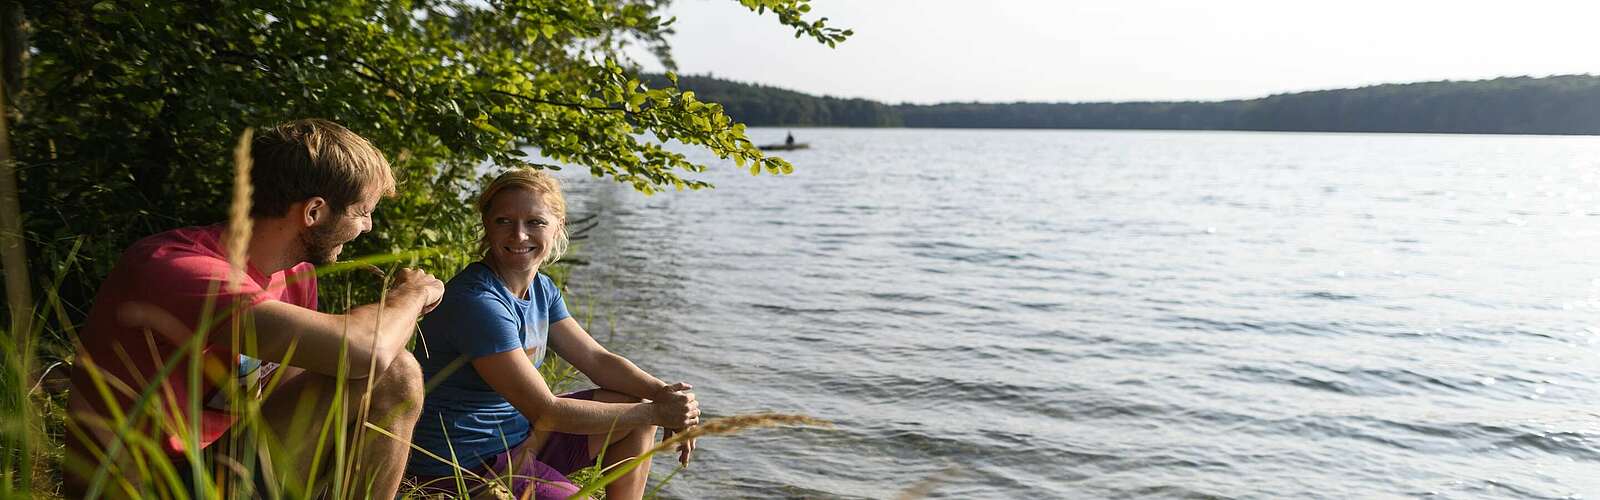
(128, 108)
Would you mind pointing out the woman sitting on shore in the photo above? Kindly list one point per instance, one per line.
(491, 409)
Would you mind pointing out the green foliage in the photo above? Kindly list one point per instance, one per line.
(1522, 105)
(128, 108)
(792, 14)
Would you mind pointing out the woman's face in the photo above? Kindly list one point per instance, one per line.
(520, 228)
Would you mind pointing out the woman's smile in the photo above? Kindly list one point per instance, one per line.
(522, 227)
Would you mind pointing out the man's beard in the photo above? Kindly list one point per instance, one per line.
(319, 244)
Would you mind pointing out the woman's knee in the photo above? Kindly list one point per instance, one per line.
(643, 435)
(608, 396)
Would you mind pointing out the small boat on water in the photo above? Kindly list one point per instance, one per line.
(787, 145)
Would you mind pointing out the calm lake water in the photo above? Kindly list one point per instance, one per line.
(1087, 314)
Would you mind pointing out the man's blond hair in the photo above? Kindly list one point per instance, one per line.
(301, 159)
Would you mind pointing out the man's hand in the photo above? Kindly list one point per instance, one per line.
(680, 392)
(431, 288)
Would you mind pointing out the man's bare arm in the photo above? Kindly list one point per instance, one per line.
(367, 336)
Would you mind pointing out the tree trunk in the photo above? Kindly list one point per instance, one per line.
(13, 254)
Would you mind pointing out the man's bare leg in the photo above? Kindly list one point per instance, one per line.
(297, 409)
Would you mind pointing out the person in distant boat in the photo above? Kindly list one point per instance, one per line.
(491, 409)
(789, 141)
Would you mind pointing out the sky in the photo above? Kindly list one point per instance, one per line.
(926, 51)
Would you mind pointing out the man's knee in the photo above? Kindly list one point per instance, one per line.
(400, 385)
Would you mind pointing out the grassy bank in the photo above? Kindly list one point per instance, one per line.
(34, 424)
(33, 394)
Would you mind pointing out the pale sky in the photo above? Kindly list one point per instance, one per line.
(1118, 50)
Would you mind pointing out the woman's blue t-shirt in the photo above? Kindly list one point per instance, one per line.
(477, 317)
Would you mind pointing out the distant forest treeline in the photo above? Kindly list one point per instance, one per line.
(1517, 105)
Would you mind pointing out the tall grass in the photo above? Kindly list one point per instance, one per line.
(133, 463)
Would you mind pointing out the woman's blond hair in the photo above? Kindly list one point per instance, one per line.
(538, 182)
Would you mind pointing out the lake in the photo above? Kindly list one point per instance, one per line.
(1090, 314)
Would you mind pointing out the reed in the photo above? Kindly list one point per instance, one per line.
(237, 237)
(721, 426)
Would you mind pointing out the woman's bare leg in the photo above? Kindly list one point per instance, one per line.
(624, 444)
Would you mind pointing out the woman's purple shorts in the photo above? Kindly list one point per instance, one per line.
(544, 470)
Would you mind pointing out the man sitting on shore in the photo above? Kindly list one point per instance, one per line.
(315, 187)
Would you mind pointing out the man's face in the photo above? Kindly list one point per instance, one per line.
(322, 242)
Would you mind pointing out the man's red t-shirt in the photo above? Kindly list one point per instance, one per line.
(183, 272)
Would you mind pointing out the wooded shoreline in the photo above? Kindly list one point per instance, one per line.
(1560, 105)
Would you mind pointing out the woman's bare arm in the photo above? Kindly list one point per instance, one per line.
(513, 376)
